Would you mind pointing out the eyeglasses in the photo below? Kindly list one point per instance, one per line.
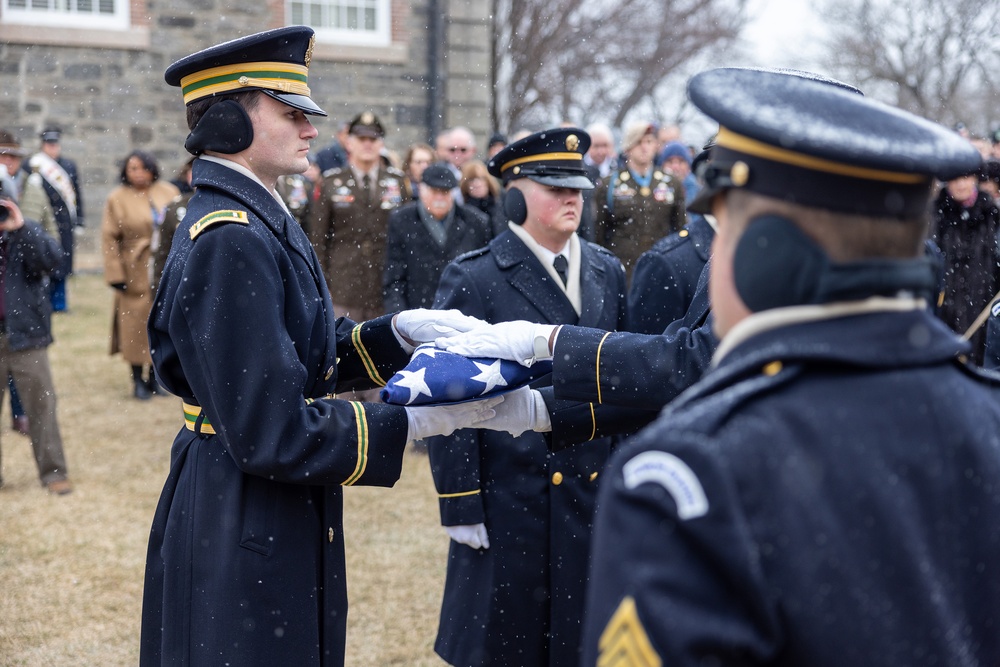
(459, 149)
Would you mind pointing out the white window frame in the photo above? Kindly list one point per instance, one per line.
(380, 36)
(63, 13)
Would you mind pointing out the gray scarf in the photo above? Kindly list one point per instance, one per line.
(437, 228)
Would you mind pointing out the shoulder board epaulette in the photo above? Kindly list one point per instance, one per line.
(217, 217)
(332, 171)
(478, 252)
(671, 241)
(395, 172)
(596, 247)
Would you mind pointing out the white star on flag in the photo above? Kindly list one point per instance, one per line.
(414, 381)
(425, 351)
(491, 375)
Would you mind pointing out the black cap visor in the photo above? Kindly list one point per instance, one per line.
(559, 178)
(300, 102)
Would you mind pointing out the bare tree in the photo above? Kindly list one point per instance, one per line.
(936, 58)
(578, 59)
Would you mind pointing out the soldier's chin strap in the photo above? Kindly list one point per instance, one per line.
(225, 128)
(776, 265)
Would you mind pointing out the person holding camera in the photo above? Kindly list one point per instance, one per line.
(28, 256)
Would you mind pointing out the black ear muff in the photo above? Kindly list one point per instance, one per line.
(225, 128)
(515, 207)
(776, 265)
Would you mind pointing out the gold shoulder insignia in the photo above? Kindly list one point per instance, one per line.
(217, 217)
(624, 642)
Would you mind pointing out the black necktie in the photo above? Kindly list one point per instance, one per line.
(561, 265)
(366, 185)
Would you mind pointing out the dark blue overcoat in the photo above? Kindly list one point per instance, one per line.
(519, 602)
(828, 495)
(246, 552)
(666, 276)
(616, 383)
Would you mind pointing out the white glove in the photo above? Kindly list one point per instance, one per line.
(422, 325)
(427, 420)
(471, 536)
(507, 340)
(522, 410)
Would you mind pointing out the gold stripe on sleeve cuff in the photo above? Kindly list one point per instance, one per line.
(366, 358)
(593, 422)
(597, 366)
(362, 425)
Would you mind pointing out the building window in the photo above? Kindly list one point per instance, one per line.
(108, 14)
(361, 22)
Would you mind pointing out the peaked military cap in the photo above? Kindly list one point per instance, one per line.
(366, 124)
(51, 134)
(803, 140)
(274, 61)
(553, 157)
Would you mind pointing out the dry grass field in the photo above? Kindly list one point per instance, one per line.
(71, 567)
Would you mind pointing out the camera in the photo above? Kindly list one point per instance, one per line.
(7, 193)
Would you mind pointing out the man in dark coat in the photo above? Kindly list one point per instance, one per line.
(62, 184)
(27, 257)
(520, 516)
(424, 236)
(246, 553)
(965, 227)
(827, 494)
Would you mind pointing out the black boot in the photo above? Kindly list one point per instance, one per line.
(141, 390)
(155, 388)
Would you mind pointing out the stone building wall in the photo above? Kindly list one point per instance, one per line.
(106, 89)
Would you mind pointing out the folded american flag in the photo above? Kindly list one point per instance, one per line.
(436, 376)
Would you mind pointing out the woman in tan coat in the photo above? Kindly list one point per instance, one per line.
(130, 215)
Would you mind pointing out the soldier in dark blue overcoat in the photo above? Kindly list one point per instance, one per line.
(514, 591)
(607, 383)
(246, 553)
(829, 493)
(666, 277)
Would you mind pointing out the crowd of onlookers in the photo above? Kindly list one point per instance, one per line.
(365, 205)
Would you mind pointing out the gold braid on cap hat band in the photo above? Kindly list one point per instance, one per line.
(541, 157)
(283, 77)
(738, 142)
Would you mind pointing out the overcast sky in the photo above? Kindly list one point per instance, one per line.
(783, 33)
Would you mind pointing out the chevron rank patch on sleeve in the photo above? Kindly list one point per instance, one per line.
(624, 642)
(217, 217)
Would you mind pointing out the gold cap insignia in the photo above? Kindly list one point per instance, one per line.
(739, 173)
(572, 142)
(368, 118)
(309, 51)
